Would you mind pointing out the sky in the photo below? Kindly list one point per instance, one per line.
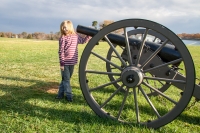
(17, 16)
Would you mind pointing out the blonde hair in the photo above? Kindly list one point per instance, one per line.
(70, 28)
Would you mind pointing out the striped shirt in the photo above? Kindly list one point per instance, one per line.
(68, 48)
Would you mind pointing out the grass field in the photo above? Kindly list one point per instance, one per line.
(29, 79)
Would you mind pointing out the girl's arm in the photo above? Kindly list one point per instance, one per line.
(82, 40)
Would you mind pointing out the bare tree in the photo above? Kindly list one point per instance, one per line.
(24, 34)
(106, 23)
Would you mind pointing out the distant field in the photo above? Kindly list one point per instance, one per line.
(29, 79)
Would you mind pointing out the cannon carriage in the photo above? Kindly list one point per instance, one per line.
(147, 73)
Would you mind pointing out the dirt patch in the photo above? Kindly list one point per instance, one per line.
(52, 91)
(51, 88)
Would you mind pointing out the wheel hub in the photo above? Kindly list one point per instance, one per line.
(132, 76)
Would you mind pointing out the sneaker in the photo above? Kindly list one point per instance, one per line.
(69, 99)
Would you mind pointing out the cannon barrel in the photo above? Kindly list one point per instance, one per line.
(168, 53)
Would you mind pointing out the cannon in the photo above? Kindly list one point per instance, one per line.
(147, 75)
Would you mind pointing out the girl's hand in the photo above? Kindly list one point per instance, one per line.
(62, 68)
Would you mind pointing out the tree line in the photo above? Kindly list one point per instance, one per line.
(49, 36)
(35, 35)
(56, 35)
(189, 36)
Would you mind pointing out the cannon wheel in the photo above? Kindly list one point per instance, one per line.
(132, 107)
(136, 32)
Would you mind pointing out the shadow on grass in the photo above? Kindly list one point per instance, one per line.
(15, 97)
(13, 100)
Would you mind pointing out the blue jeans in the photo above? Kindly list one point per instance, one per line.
(65, 87)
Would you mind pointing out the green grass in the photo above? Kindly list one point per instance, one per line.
(29, 79)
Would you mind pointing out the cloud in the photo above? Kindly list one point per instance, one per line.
(46, 15)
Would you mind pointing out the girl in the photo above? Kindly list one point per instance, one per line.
(68, 56)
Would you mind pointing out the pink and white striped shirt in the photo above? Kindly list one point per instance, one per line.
(68, 48)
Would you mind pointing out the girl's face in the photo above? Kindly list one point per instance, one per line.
(65, 29)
